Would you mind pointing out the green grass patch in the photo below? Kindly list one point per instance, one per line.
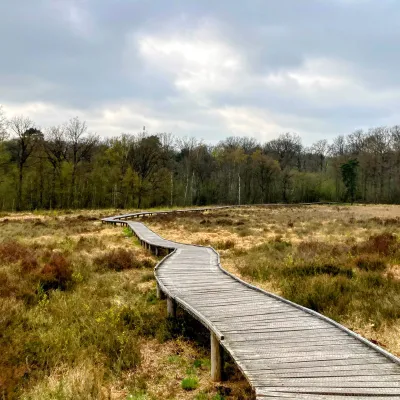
(190, 383)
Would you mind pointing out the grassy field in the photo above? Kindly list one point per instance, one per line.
(342, 261)
(79, 318)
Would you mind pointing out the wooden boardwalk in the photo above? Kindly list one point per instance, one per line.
(284, 350)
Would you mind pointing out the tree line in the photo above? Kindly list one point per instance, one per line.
(67, 166)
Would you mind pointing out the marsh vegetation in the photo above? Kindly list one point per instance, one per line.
(342, 261)
(79, 318)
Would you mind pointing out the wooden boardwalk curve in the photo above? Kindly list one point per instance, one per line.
(284, 350)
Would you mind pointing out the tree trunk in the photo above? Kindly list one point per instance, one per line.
(239, 188)
(19, 192)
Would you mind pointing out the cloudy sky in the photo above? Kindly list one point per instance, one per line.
(205, 68)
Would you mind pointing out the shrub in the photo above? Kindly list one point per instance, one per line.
(29, 263)
(315, 269)
(118, 260)
(190, 383)
(280, 244)
(56, 274)
(384, 243)
(148, 263)
(6, 287)
(255, 269)
(128, 232)
(12, 251)
(328, 295)
(370, 262)
(224, 221)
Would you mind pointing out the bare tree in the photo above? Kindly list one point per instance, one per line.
(80, 146)
(187, 147)
(286, 149)
(26, 140)
(3, 125)
(320, 149)
(145, 157)
(338, 146)
(356, 142)
(55, 147)
(266, 170)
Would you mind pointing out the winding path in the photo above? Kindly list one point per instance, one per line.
(284, 350)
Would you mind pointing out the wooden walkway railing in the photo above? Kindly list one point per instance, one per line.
(283, 349)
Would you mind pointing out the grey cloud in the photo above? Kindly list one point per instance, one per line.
(45, 58)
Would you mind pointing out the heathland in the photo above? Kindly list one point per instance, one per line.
(342, 261)
(80, 319)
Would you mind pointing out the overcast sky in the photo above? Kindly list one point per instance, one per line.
(205, 68)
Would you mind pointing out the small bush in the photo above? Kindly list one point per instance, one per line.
(29, 263)
(384, 243)
(255, 269)
(148, 263)
(88, 242)
(328, 295)
(12, 251)
(279, 244)
(370, 262)
(190, 383)
(118, 260)
(319, 269)
(128, 232)
(57, 274)
(224, 221)
(6, 287)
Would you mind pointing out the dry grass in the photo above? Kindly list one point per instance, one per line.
(342, 261)
(79, 317)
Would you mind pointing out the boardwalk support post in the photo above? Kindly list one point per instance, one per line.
(217, 355)
(160, 293)
(171, 307)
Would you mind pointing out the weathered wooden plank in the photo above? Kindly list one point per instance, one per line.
(335, 377)
(365, 373)
(305, 396)
(355, 389)
(314, 364)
